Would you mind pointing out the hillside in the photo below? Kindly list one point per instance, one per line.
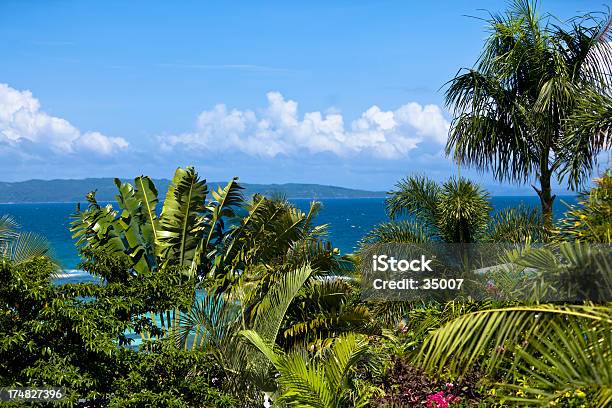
(32, 191)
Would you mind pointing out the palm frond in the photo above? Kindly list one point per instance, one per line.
(415, 196)
(314, 384)
(589, 133)
(27, 246)
(568, 272)
(271, 310)
(8, 232)
(208, 324)
(493, 336)
(463, 211)
(404, 231)
(572, 355)
(517, 225)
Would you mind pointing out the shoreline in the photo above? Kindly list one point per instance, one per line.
(288, 198)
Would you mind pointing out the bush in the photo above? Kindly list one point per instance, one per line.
(169, 377)
(405, 385)
(73, 336)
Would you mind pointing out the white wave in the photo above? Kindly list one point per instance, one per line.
(70, 273)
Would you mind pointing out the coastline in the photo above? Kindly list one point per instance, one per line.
(559, 196)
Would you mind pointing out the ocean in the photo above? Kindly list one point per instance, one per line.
(349, 220)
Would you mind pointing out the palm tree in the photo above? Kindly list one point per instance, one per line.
(319, 384)
(451, 213)
(456, 212)
(517, 225)
(512, 109)
(216, 319)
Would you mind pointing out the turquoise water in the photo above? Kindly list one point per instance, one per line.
(348, 219)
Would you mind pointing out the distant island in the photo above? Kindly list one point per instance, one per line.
(38, 191)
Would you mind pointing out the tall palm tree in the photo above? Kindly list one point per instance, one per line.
(512, 107)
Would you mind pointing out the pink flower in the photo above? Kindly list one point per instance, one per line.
(440, 400)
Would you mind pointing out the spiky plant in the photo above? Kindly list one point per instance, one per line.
(541, 350)
(590, 132)
(319, 383)
(546, 350)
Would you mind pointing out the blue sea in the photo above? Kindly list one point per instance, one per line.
(349, 220)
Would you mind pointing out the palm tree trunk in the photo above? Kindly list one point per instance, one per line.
(545, 193)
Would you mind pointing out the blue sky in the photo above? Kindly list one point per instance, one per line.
(343, 93)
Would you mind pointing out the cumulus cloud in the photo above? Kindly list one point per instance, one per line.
(279, 130)
(24, 125)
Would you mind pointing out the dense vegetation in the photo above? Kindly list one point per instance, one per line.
(210, 297)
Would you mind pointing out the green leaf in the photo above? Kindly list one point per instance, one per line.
(181, 222)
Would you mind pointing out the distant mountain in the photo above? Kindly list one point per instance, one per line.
(33, 191)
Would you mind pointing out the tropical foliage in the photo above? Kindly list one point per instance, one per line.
(213, 299)
(590, 220)
(517, 225)
(457, 211)
(319, 384)
(280, 318)
(546, 350)
(182, 236)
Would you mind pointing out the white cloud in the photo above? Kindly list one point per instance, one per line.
(22, 124)
(279, 130)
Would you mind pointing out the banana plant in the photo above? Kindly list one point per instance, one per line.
(184, 235)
